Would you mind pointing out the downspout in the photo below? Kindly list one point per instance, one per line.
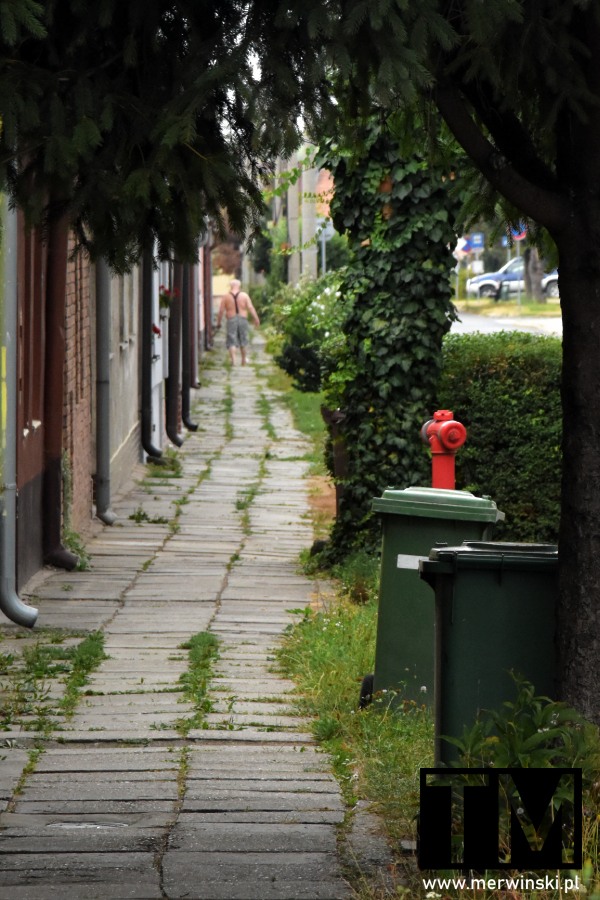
(186, 350)
(56, 286)
(147, 299)
(103, 321)
(194, 326)
(173, 386)
(10, 603)
(208, 297)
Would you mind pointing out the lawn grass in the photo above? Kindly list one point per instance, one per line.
(306, 413)
(512, 308)
(376, 751)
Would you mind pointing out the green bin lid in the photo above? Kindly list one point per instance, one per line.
(497, 555)
(436, 503)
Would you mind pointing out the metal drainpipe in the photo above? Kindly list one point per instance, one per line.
(186, 351)
(208, 298)
(103, 320)
(147, 298)
(173, 386)
(10, 603)
(194, 326)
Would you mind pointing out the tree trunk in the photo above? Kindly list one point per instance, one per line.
(533, 275)
(579, 543)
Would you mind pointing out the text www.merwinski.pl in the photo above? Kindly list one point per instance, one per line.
(521, 883)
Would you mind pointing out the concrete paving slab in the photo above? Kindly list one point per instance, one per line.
(150, 789)
(109, 759)
(246, 802)
(264, 817)
(115, 736)
(106, 890)
(282, 875)
(239, 720)
(12, 763)
(81, 837)
(85, 870)
(221, 837)
(86, 809)
(151, 702)
(203, 788)
(46, 779)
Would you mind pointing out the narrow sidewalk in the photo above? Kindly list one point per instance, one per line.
(141, 793)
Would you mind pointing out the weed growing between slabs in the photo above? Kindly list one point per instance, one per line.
(169, 467)
(203, 650)
(28, 674)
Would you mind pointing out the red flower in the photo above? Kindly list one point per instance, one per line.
(156, 329)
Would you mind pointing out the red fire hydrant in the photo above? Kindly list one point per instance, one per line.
(444, 435)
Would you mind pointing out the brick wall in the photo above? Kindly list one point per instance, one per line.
(78, 397)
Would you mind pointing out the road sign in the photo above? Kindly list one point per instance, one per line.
(477, 240)
(520, 233)
(325, 229)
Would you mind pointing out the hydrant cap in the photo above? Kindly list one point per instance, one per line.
(443, 415)
(452, 435)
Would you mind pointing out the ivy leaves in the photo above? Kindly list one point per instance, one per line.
(398, 215)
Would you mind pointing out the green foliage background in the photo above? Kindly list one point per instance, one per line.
(307, 317)
(505, 388)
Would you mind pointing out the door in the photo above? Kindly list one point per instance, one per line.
(30, 400)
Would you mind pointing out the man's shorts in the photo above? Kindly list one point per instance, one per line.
(237, 332)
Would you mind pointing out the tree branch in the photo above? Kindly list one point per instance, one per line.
(509, 136)
(547, 207)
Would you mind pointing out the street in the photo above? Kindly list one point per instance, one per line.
(469, 322)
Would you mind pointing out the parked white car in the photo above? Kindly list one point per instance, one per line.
(512, 274)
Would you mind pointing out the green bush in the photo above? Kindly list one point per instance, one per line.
(305, 317)
(505, 388)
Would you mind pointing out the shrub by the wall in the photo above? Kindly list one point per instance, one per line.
(505, 388)
(305, 316)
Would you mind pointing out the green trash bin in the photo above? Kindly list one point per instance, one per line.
(415, 520)
(495, 612)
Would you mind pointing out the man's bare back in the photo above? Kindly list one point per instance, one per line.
(244, 305)
(236, 306)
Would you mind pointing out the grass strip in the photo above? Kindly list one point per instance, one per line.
(377, 751)
(306, 413)
(83, 660)
(203, 650)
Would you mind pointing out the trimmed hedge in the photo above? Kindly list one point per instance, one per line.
(505, 388)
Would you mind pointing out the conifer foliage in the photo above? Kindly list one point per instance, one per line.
(140, 119)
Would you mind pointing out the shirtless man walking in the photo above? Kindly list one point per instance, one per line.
(235, 306)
